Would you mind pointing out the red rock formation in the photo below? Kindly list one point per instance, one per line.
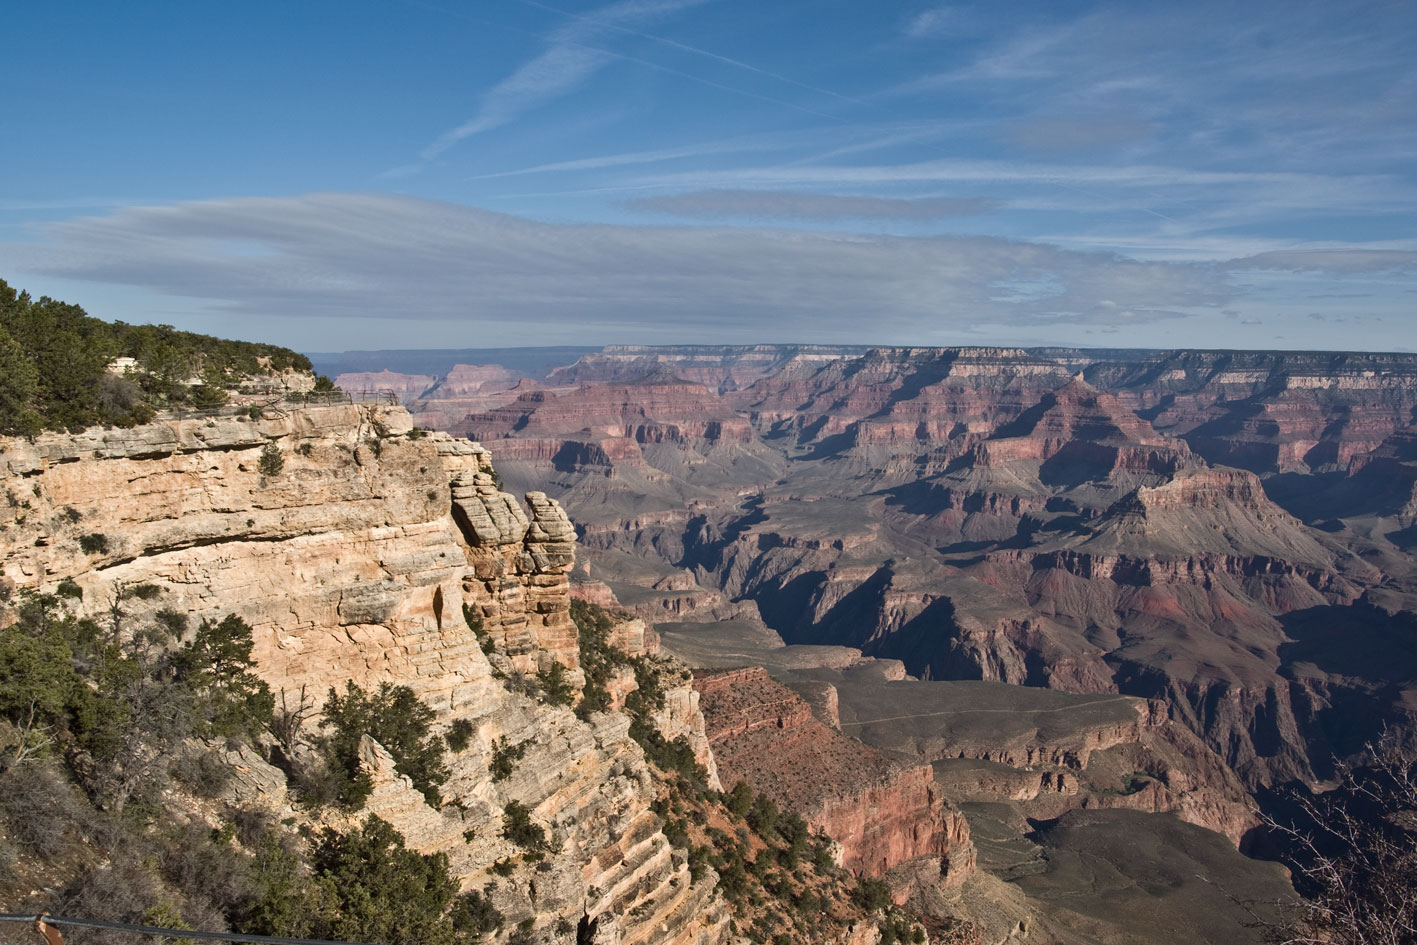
(1384, 480)
(606, 427)
(982, 513)
(652, 410)
(595, 592)
(904, 400)
(884, 811)
(1270, 411)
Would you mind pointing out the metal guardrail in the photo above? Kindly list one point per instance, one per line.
(382, 396)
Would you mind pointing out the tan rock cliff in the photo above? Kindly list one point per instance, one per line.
(356, 561)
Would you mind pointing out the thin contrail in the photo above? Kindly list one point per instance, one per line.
(708, 82)
(695, 50)
(643, 62)
(736, 63)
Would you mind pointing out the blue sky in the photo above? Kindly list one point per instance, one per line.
(438, 174)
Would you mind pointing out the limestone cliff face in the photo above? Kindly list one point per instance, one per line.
(370, 556)
(882, 810)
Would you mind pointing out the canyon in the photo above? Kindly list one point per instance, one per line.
(1223, 538)
(969, 613)
(1164, 525)
(988, 620)
(373, 552)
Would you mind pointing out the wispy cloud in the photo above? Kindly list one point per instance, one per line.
(700, 52)
(637, 158)
(357, 256)
(815, 145)
(1331, 260)
(1188, 202)
(558, 70)
(65, 203)
(1136, 175)
(1080, 133)
(1303, 85)
(932, 22)
(790, 205)
(562, 67)
(1028, 54)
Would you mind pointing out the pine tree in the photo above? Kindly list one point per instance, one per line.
(271, 462)
(19, 388)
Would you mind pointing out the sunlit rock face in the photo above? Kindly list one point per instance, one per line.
(883, 810)
(376, 554)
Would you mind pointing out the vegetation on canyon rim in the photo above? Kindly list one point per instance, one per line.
(99, 718)
(781, 878)
(54, 359)
(96, 722)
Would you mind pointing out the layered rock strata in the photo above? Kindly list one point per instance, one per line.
(882, 810)
(720, 368)
(610, 426)
(1048, 751)
(1041, 517)
(372, 555)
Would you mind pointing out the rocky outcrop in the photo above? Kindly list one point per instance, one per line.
(882, 810)
(682, 717)
(376, 554)
(522, 587)
(595, 592)
(465, 379)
